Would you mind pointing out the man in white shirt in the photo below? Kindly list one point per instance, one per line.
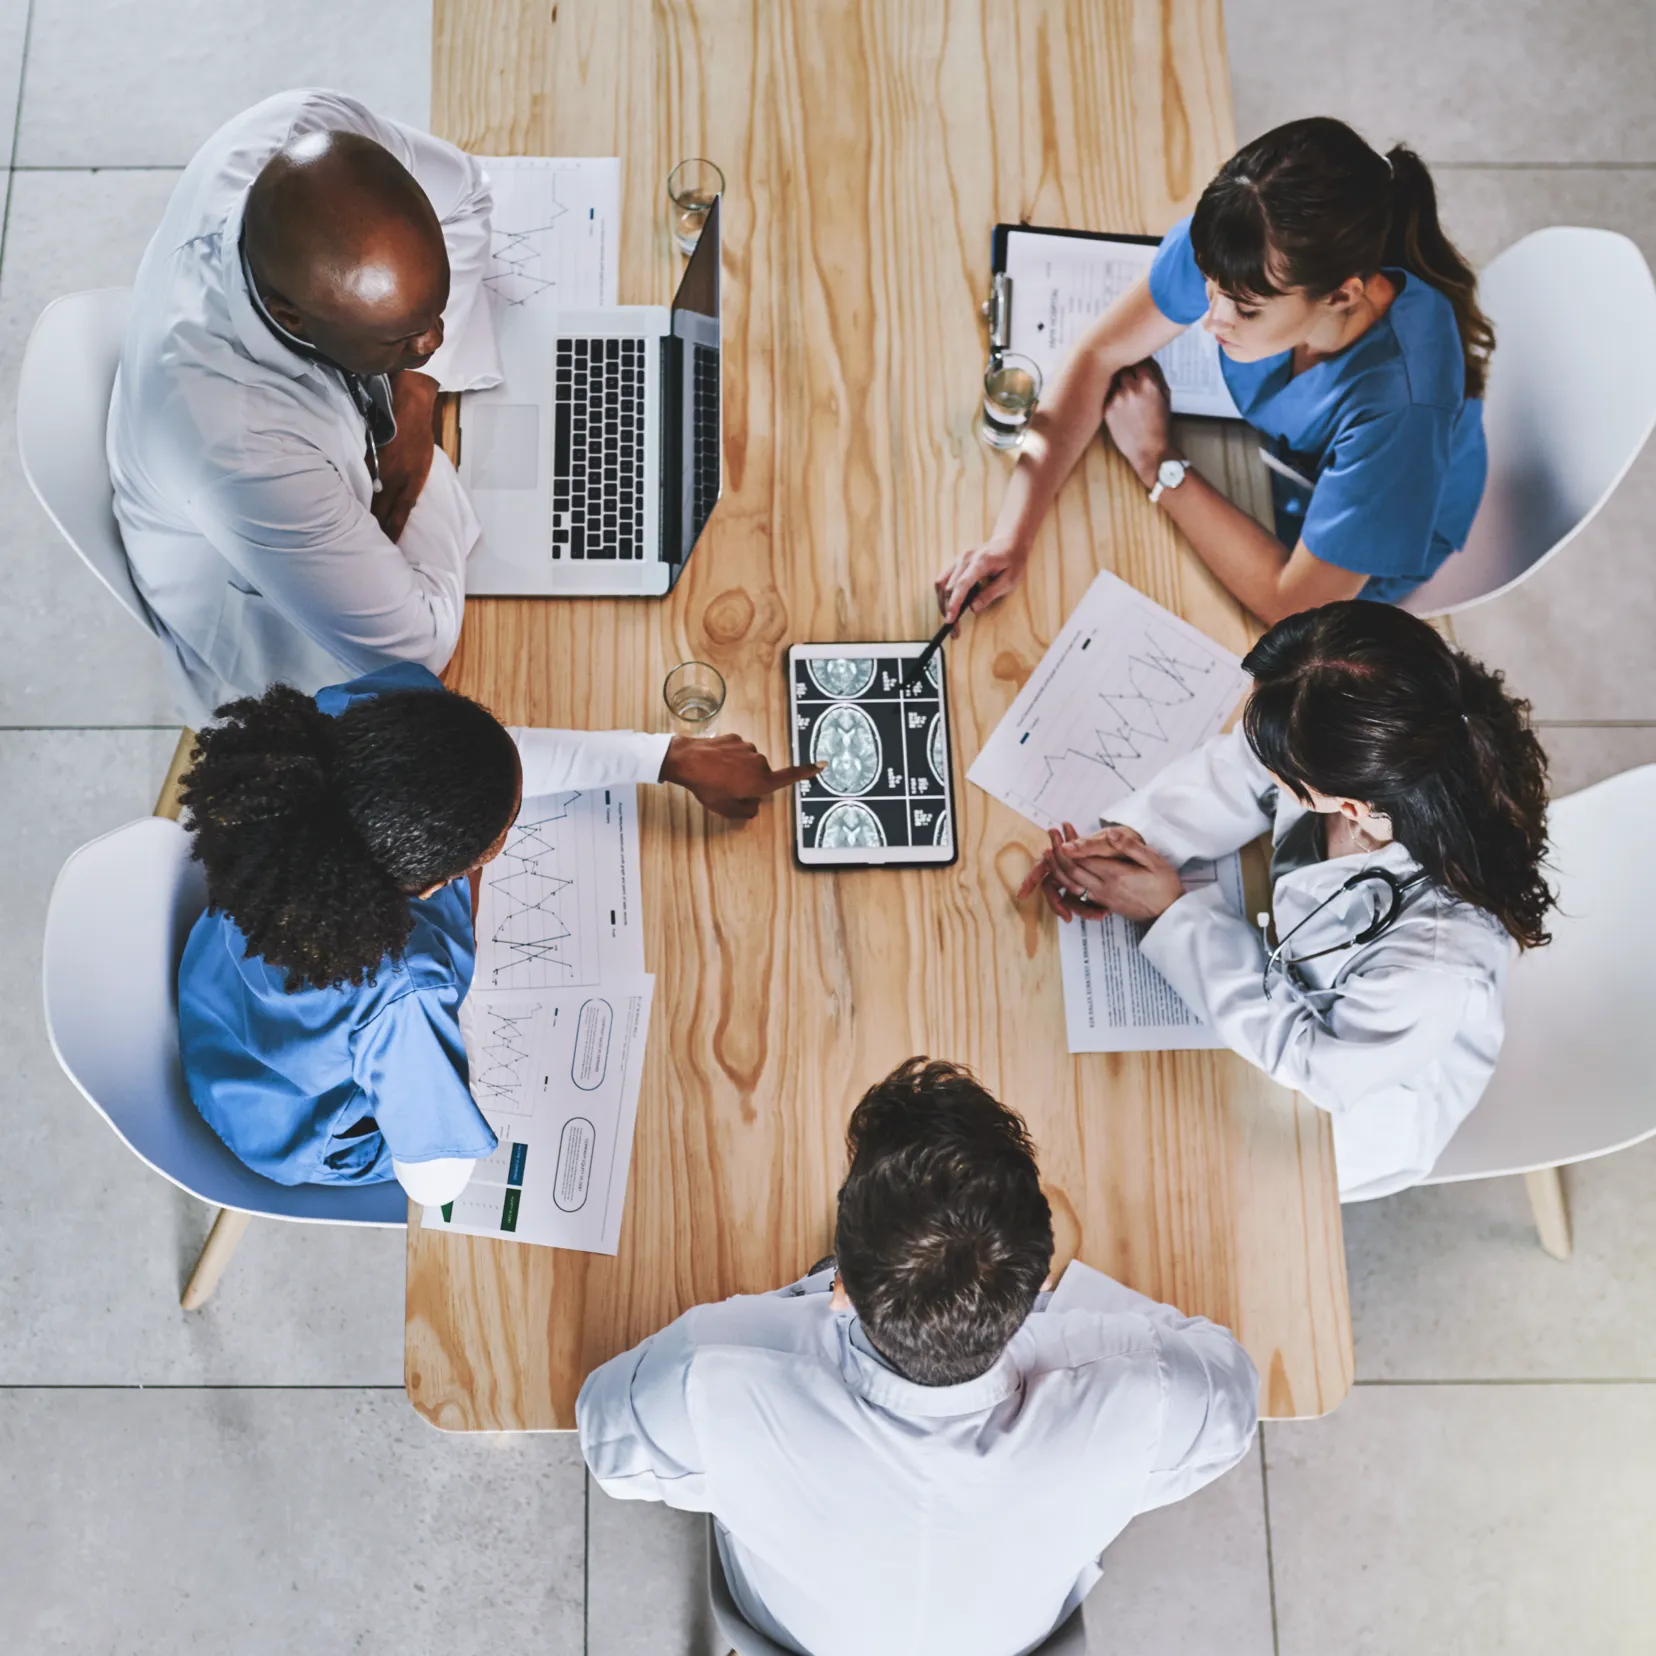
(914, 1455)
(316, 279)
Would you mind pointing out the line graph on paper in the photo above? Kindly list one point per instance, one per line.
(551, 235)
(535, 921)
(500, 1065)
(1126, 688)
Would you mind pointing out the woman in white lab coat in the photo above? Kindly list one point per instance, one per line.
(1406, 798)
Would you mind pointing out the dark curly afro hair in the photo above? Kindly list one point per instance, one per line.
(316, 832)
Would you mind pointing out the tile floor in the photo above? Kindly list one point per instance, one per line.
(251, 1479)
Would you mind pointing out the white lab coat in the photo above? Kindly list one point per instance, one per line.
(1396, 1039)
(860, 1514)
(241, 482)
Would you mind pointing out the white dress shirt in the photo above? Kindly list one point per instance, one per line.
(241, 482)
(1396, 1039)
(860, 1514)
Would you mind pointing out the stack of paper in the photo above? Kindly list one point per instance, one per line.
(555, 1025)
(1125, 689)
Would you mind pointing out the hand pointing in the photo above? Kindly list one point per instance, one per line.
(728, 775)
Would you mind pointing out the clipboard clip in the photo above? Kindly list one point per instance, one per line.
(996, 310)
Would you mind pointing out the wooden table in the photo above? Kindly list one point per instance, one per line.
(869, 149)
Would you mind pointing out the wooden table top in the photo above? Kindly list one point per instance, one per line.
(868, 150)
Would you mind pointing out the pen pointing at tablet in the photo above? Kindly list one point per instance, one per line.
(924, 661)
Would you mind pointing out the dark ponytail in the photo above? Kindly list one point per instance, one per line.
(1310, 205)
(316, 831)
(1364, 701)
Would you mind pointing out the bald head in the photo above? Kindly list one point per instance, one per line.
(348, 253)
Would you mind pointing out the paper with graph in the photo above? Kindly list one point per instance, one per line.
(559, 906)
(1114, 999)
(554, 236)
(1125, 688)
(557, 1074)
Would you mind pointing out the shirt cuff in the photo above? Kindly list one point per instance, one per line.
(1166, 945)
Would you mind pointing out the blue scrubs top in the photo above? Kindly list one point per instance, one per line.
(1384, 429)
(325, 1086)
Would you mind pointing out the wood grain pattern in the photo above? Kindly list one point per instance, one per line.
(868, 148)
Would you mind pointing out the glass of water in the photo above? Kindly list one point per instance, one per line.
(695, 695)
(1011, 388)
(691, 189)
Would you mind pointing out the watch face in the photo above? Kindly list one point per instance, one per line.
(1170, 473)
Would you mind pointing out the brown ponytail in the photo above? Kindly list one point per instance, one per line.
(1310, 205)
(1416, 242)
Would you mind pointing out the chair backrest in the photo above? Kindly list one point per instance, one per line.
(740, 1635)
(63, 397)
(1571, 400)
(119, 916)
(1577, 1073)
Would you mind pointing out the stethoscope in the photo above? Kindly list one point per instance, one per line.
(371, 393)
(1397, 891)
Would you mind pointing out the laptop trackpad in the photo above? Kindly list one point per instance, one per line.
(502, 445)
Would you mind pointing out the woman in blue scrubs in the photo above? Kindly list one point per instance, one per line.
(1350, 337)
(319, 996)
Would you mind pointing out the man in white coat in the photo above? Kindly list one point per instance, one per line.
(315, 281)
(915, 1451)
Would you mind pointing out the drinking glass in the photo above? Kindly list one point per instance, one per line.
(1011, 388)
(695, 694)
(691, 188)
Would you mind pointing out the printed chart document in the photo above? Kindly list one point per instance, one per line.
(1062, 284)
(1125, 688)
(559, 906)
(1114, 999)
(556, 1073)
(555, 245)
(555, 1024)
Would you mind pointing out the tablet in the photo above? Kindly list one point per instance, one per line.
(887, 795)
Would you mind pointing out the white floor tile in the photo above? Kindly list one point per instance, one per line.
(69, 655)
(646, 1580)
(1448, 1282)
(1480, 80)
(14, 23)
(1467, 1521)
(1191, 1578)
(202, 62)
(94, 1247)
(162, 1523)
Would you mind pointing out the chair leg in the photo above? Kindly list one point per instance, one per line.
(1552, 1216)
(216, 1253)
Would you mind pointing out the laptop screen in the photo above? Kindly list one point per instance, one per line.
(695, 324)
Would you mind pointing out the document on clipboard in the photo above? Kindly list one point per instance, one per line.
(1050, 285)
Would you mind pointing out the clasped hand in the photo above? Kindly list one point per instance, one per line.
(1110, 872)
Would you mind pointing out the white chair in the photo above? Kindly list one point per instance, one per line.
(116, 925)
(740, 1636)
(1577, 1074)
(62, 411)
(1571, 400)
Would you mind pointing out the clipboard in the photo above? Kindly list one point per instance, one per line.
(1048, 284)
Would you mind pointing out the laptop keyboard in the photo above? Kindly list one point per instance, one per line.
(705, 491)
(598, 457)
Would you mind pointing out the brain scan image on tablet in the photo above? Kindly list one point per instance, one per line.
(884, 792)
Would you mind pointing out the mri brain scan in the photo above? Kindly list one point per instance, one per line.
(850, 827)
(845, 740)
(842, 676)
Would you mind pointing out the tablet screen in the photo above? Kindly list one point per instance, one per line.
(886, 795)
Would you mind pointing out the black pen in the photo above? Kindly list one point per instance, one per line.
(942, 632)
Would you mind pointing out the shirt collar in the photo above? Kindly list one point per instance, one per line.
(871, 1377)
(262, 340)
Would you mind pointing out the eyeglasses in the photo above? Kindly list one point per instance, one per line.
(1388, 906)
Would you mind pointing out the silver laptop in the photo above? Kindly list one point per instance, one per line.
(595, 472)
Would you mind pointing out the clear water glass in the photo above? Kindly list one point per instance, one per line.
(1011, 389)
(692, 187)
(695, 696)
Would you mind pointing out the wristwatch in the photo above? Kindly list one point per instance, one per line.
(1169, 475)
